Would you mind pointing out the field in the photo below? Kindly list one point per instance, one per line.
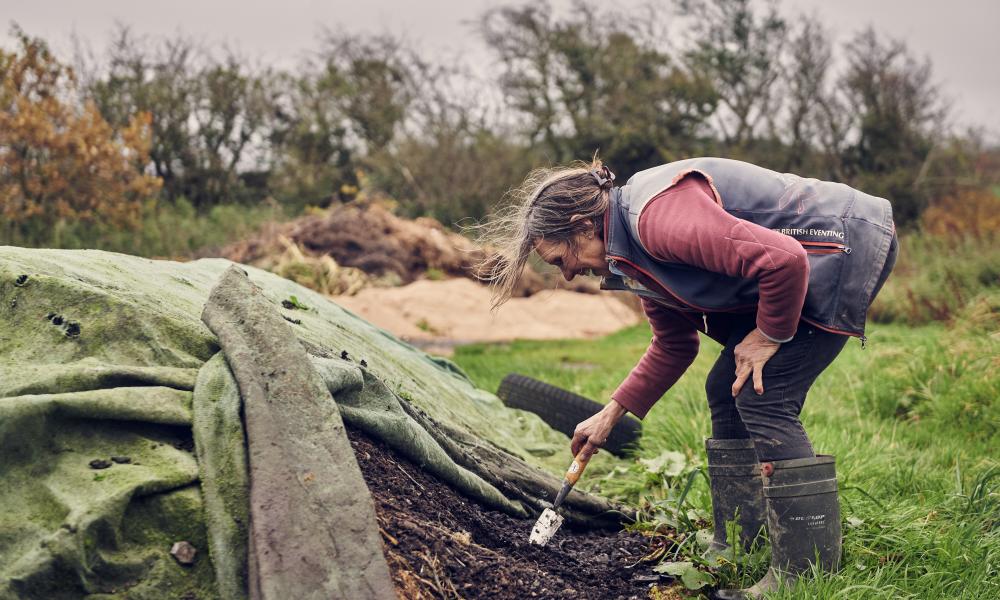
(363, 168)
(913, 419)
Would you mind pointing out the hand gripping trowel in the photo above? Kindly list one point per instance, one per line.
(549, 521)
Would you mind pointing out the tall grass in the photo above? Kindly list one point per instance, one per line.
(954, 258)
(936, 275)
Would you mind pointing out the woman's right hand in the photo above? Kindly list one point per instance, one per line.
(592, 433)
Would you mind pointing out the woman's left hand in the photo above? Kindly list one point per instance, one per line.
(751, 355)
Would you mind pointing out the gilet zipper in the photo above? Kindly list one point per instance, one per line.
(824, 247)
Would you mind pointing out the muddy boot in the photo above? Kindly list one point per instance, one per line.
(734, 476)
(803, 521)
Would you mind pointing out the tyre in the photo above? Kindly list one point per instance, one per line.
(563, 410)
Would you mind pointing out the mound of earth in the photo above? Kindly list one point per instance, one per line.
(368, 238)
(441, 545)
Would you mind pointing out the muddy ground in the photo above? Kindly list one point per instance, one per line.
(442, 545)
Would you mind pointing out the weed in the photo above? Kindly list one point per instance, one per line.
(169, 229)
(293, 303)
(423, 325)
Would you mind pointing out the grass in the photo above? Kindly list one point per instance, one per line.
(167, 229)
(914, 421)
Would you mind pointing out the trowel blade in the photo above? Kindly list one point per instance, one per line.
(545, 527)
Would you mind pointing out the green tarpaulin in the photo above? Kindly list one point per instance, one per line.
(121, 433)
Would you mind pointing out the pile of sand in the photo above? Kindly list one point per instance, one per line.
(438, 315)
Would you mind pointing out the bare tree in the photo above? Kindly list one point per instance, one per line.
(207, 112)
(810, 53)
(739, 51)
(896, 111)
(524, 40)
(588, 81)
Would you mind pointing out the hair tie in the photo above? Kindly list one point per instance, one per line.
(603, 176)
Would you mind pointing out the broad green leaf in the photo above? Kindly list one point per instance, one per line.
(693, 579)
(675, 568)
(690, 576)
(669, 464)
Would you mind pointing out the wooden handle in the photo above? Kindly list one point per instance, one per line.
(576, 469)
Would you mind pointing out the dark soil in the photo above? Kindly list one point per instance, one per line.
(440, 544)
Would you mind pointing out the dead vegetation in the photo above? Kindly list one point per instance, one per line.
(347, 247)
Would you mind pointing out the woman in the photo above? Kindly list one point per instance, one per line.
(777, 268)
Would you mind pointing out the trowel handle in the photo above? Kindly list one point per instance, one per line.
(576, 469)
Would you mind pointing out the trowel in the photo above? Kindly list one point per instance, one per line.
(549, 521)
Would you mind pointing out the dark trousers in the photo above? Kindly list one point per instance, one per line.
(772, 418)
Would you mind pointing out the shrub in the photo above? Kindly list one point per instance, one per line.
(167, 230)
(61, 162)
(935, 277)
(972, 212)
(954, 259)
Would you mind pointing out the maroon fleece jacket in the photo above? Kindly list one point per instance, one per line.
(685, 224)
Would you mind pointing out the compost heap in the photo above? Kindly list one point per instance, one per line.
(128, 426)
(347, 247)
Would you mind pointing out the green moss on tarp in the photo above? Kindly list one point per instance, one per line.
(222, 461)
(101, 357)
(69, 530)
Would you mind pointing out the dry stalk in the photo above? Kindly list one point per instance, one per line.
(443, 586)
(411, 585)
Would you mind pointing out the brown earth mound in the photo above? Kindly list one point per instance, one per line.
(439, 544)
(368, 237)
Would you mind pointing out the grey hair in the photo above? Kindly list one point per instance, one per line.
(540, 209)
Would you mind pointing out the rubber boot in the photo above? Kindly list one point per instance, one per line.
(737, 493)
(803, 521)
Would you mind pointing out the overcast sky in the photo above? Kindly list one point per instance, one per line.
(959, 36)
